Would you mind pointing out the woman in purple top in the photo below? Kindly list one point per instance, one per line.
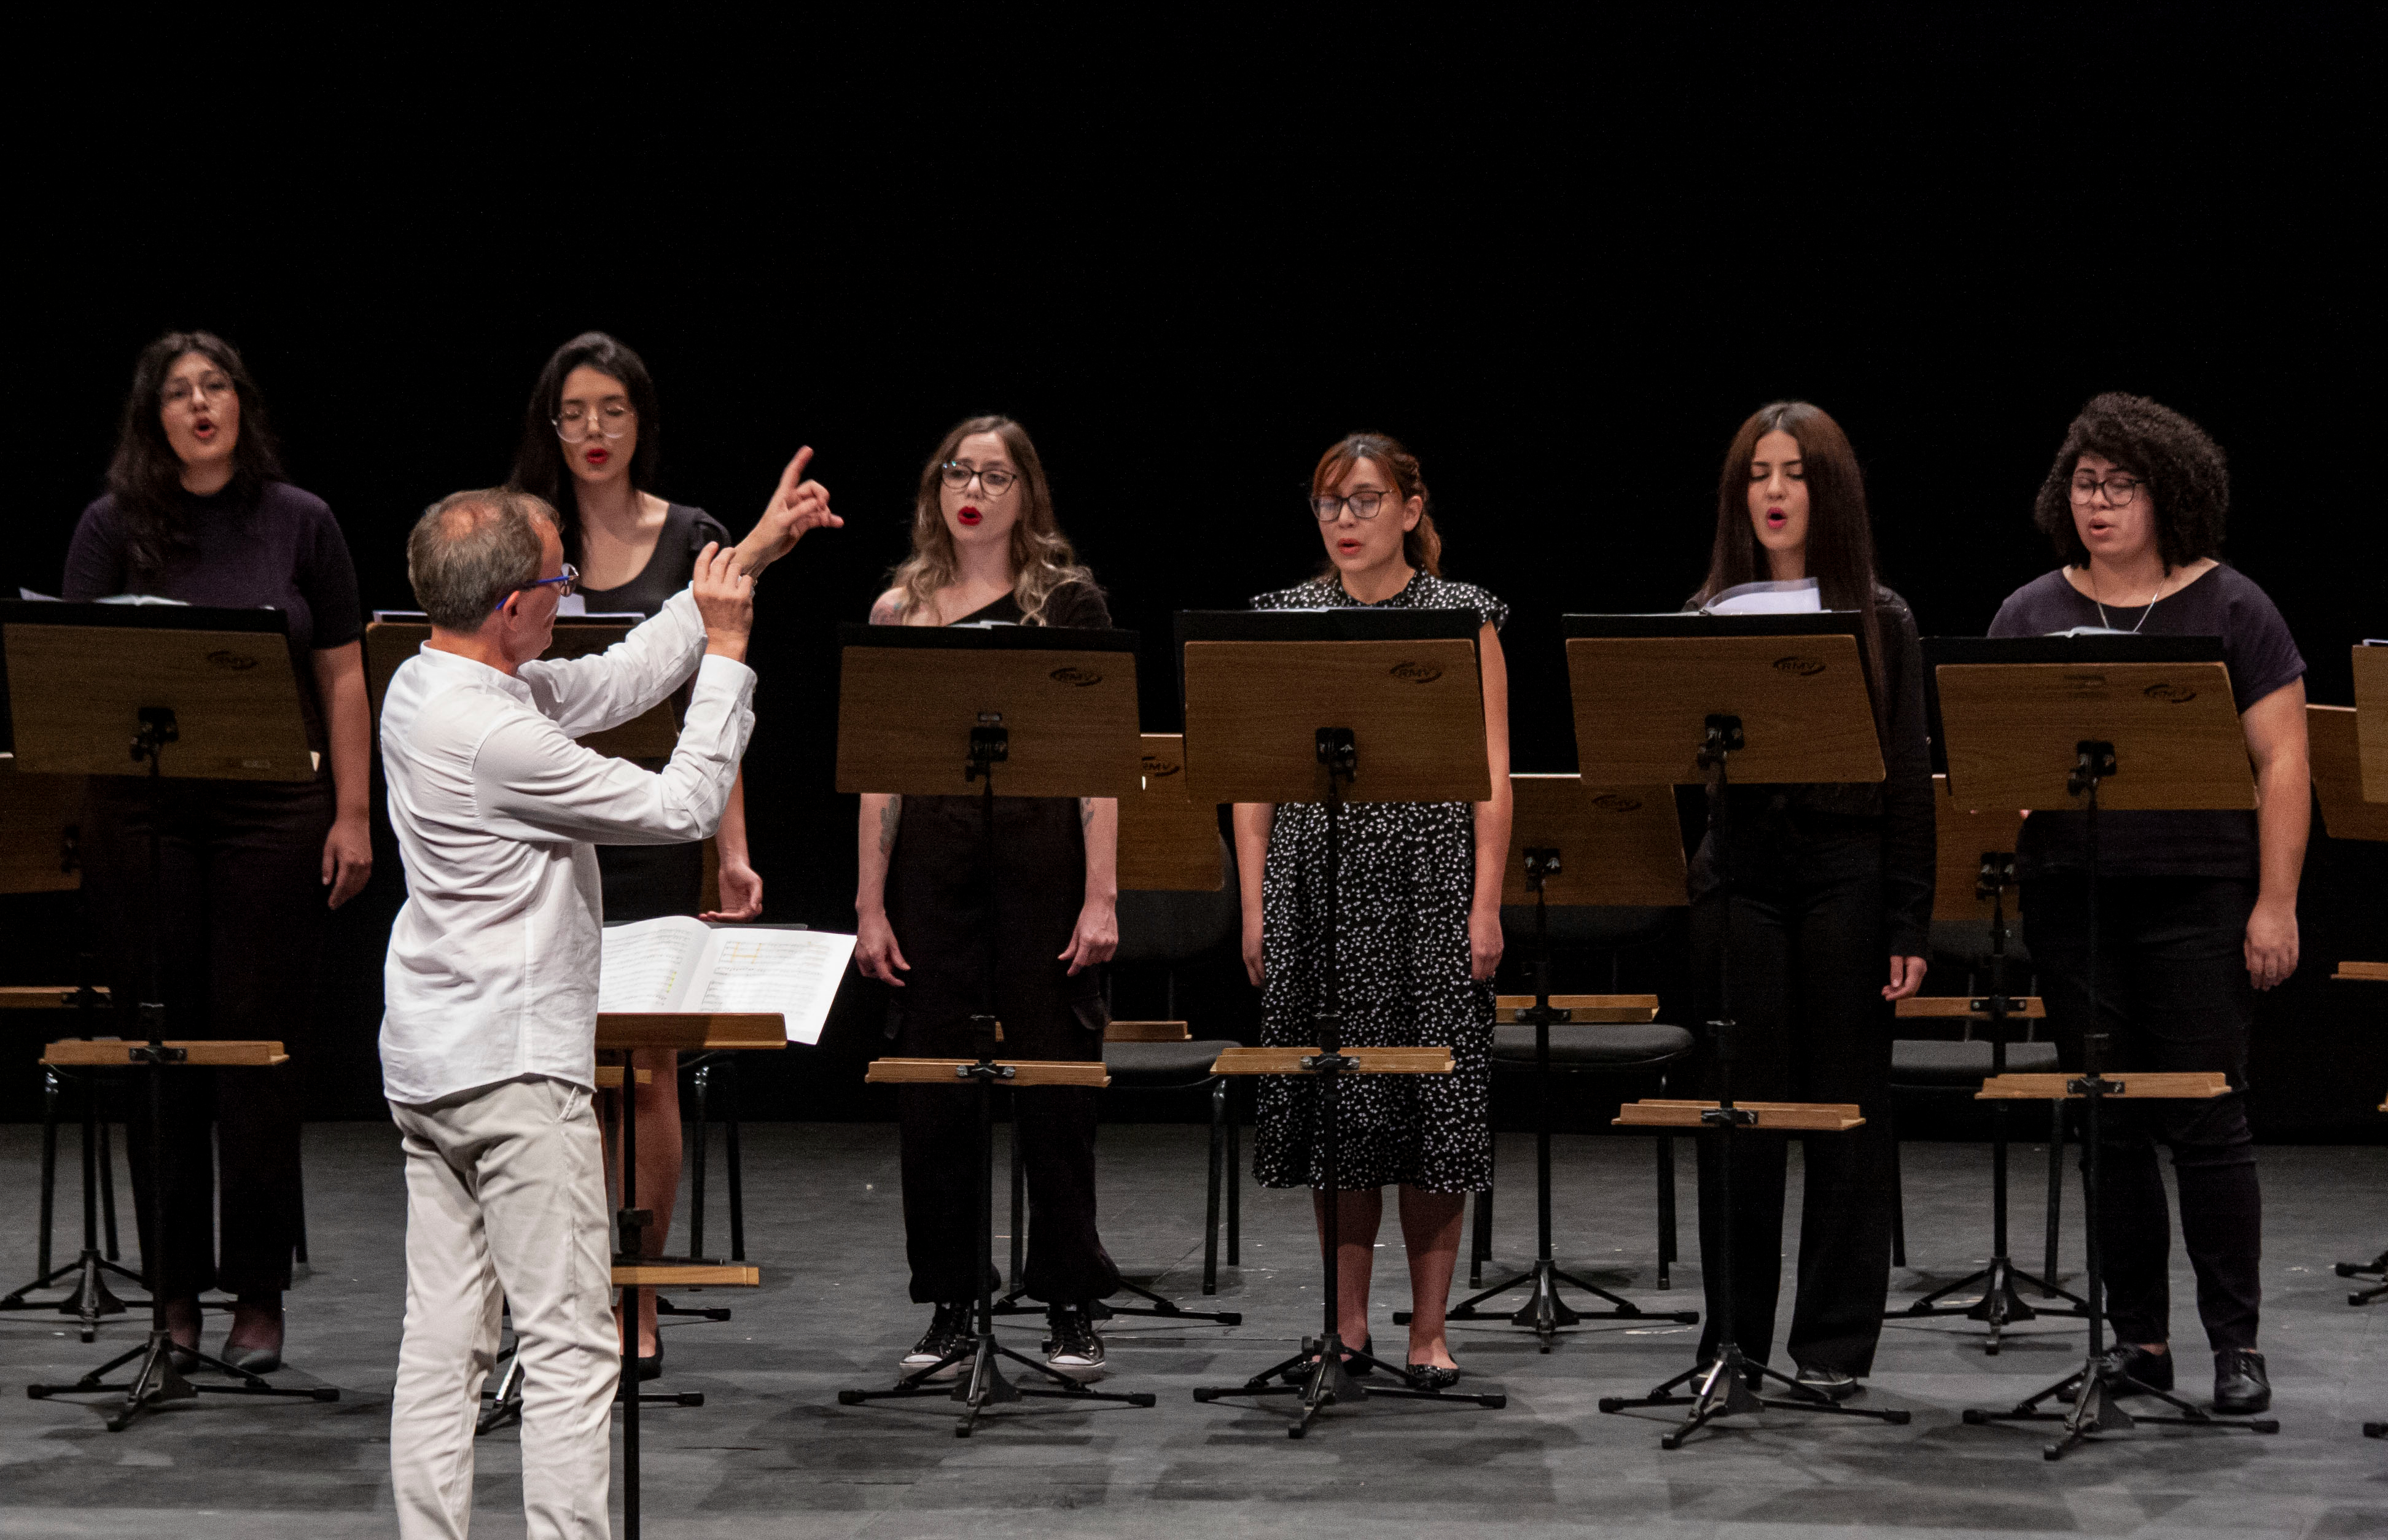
(2197, 911)
(196, 511)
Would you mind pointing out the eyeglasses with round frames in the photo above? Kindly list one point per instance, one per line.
(564, 587)
(2120, 490)
(1364, 505)
(994, 478)
(574, 423)
(181, 393)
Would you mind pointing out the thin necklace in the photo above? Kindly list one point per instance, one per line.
(2143, 614)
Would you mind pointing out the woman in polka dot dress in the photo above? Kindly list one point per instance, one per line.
(1419, 926)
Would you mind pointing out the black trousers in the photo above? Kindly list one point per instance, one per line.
(1809, 954)
(2173, 994)
(237, 917)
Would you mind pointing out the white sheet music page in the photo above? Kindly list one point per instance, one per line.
(793, 972)
(648, 965)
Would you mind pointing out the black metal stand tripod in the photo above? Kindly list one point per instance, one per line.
(983, 1384)
(1544, 1312)
(1322, 1373)
(1729, 1383)
(2094, 1387)
(2000, 1305)
(156, 1380)
(2377, 1268)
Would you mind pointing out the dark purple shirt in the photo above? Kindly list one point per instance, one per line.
(285, 552)
(2262, 657)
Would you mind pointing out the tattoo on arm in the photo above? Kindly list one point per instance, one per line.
(889, 816)
(1086, 813)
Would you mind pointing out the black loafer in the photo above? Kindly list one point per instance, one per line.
(2150, 1370)
(1432, 1376)
(2241, 1386)
(652, 1367)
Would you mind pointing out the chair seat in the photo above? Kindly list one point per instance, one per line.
(1581, 1045)
(1936, 1062)
(1186, 1063)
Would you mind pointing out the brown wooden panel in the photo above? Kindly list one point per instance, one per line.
(609, 1077)
(1617, 845)
(225, 1052)
(2331, 736)
(1024, 1072)
(2146, 1085)
(691, 1030)
(1963, 1005)
(1586, 1007)
(1642, 705)
(1782, 1117)
(1167, 840)
(2371, 719)
(75, 692)
(2375, 972)
(1148, 1032)
(905, 716)
(46, 997)
(40, 819)
(1373, 1061)
(2012, 728)
(1416, 710)
(1962, 837)
(687, 1275)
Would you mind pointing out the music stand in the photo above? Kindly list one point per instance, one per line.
(2338, 767)
(1594, 846)
(2045, 724)
(932, 712)
(1975, 870)
(1334, 706)
(216, 687)
(1692, 698)
(394, 635)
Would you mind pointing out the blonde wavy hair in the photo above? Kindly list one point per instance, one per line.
(1041, 558)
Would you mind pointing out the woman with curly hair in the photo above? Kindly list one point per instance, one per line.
(986, 550)
(2196, 910)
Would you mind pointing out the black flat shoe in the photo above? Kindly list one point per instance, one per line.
(2241, 1385)
(2153, 1370)
(1368, 1348)
(652, 1367)
(252, 1360)
(1432, 1376)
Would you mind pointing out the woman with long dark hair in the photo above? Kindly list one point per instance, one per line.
(1823, 916)
(1418, 918)
(197, 510)
(591, 447)
(986, 550)
(2196, 910)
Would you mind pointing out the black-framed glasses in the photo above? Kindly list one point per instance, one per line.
(994, 478)
(2120, 490)
(563, 587)
(1364, 505)
(575, 422)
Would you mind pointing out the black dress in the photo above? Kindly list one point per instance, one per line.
(241, 907)
(937, 906)
(645, 882)
(1408, 880)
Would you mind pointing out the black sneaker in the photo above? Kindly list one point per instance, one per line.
(1072, 1347)
(2241, 1386)
(2151, 1370)
(948, 1336)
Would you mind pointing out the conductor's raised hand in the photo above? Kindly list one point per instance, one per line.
(725, 597)
(797, 505)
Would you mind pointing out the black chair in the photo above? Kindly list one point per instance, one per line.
(1167, 928)
(1610, 1035)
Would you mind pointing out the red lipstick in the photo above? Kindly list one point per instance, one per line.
(968, 515)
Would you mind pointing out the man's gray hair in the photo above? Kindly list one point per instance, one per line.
(470, 550)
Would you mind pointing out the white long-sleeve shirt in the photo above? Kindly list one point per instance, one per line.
(493, 962)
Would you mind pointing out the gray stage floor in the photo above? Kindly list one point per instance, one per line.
(772, 1454)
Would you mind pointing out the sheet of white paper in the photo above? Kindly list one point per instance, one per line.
(793, 972)
(646, 967)
(1797, 596)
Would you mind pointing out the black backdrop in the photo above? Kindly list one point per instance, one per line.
(1563, 266)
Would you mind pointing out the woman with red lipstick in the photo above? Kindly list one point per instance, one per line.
(986, 550)
(1419, 918)
(196, 511)
(591, 445)
(2196, 910)
(1825, 919)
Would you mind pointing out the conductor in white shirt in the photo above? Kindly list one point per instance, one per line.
(489, 1038)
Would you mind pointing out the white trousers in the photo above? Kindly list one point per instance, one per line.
(505, 1204)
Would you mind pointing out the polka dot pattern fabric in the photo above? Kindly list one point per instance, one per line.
(1408, 870)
